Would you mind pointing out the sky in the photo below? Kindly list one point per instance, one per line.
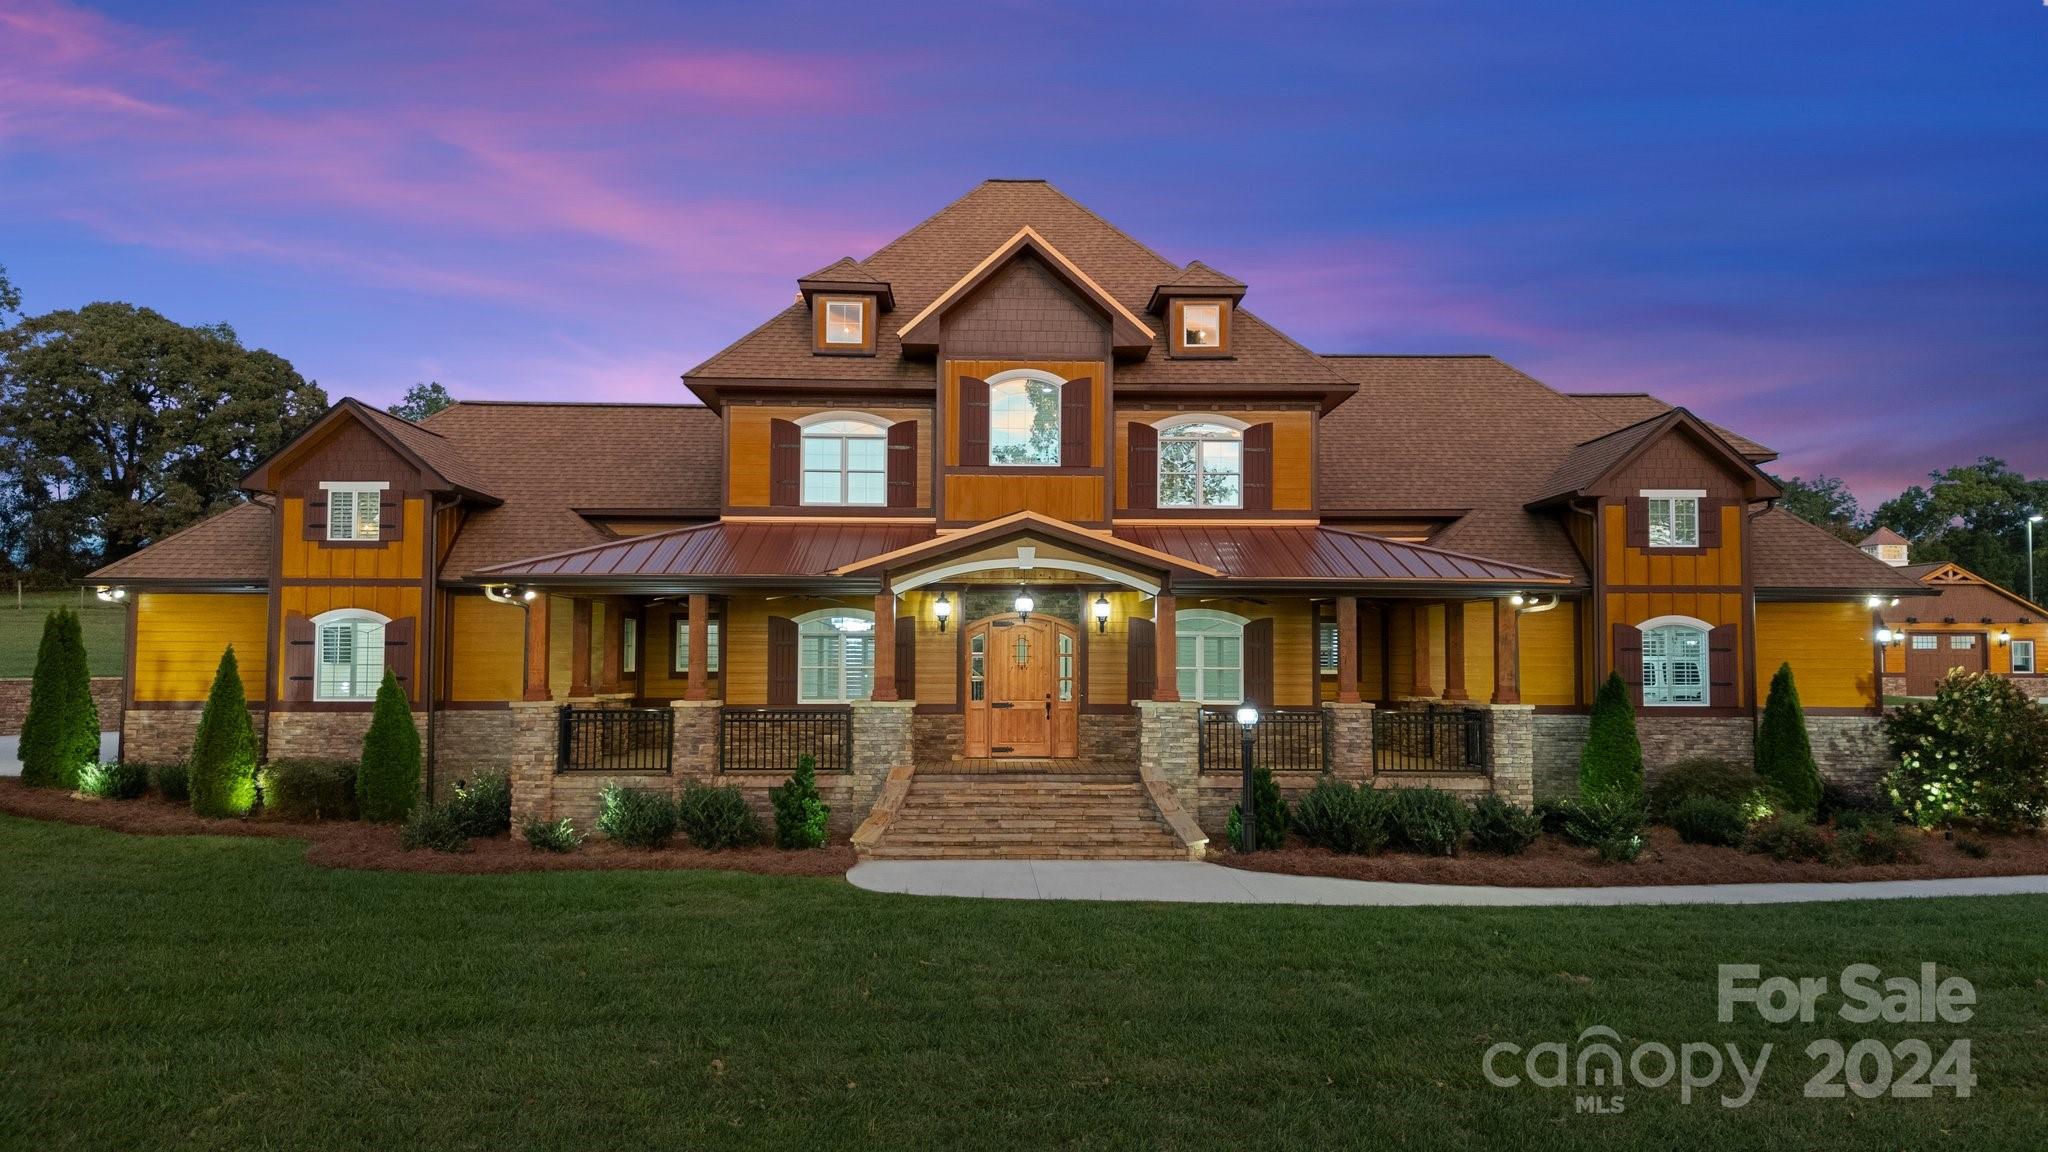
(1824, 224)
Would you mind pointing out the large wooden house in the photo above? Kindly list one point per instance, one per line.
(1016, 512)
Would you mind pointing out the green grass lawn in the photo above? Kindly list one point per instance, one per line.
(21, 630)
(220, 993)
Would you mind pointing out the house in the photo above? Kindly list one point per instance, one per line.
(1002, 522)
(1970, 623)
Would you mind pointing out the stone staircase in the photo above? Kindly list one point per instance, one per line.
(1093, 813)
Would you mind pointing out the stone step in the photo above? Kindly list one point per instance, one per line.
(1027, 852)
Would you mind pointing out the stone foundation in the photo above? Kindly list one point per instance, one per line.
(1558, 738)
(2036, 687)
(1850, 750)
(881, 742)
(937, 738)
(325, 735)
(164, 735)
(1168, 747)
(468, 743)
(109, 694)
(1108, 737)
(1350, 739)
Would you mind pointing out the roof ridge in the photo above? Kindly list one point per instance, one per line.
(1416, 356)
(395, 418)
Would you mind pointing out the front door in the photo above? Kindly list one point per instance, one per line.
(1022, 687)
(1930, 655)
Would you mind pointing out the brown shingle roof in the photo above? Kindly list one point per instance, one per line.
(228, 547)
(1625, 408)
(1883, 535)
(1787, 553)
(433, 448)
(1588, 462)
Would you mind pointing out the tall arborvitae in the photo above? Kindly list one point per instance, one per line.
(61, 733)
(222, 777)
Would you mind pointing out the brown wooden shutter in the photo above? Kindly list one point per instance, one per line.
(315, 527)
(1636, 518)
(1721, 666)
(300, 654)
(785, 464)
(903, 464)
(390, 515)
(973, 422)
(781, 660)
(906, 658)
(1258, 662)
(1258, 469)
(398, 635)
(1710, 523)
(1077, 422)
(1144, 467)
(1628, 660)
(1142, 654)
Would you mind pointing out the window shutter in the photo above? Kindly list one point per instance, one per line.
(1636, 518)
(316, 519)
(1144, 467)
(1710, 523)
(781, 660)
(1721, 666)
(785, 464)
(398, 652)
(903, 464)
(1258, 662)
(1258, 469)
(1628, 660)
(298, 657)
(906, 658)
(390, 515)
(973, 422)
(1077, 422)
(1142, 654)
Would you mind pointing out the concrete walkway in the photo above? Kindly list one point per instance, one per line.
(10, 751)
(1189, 882)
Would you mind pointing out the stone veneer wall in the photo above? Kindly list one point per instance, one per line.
(110, 693)
(164, 735)
(1168, 739)
(937, 738)
(325, 735)
(1850, 750)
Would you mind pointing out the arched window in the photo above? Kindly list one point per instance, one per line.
(1675, 662)
(1209, 655)
(1023, 418)
(846, 458)
(1201, 463)
(835, 656)
(349, 654)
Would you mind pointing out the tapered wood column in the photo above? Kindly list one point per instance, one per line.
(579, 648)
(537, 648)
(1165, 653)
(1418, 616)
(1454, 651)
(1507, 653)
(885, 644)
(613, 678)
(1347, 649)
(697, 686)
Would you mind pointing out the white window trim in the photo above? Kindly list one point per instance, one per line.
(842, 697)
(1184, 325)
(1706, 632)
(2032, 668)
(1029, 375)
(346, 616)
(860, 328)
(680, 659)
(355, 489)
(1173, 424)
(1181, 643)
(881, 426)
(1697, 495)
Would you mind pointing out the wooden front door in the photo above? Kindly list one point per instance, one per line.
(1023, 691)
(1929, 656)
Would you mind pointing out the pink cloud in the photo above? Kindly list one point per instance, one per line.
(733, 79)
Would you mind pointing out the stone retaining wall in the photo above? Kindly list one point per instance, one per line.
(108, 692)
(1850, 750)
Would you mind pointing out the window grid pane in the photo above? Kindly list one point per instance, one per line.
(1024, 423)
(341, 515)
(2023, 657)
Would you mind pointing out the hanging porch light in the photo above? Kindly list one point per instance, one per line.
(1025, 603)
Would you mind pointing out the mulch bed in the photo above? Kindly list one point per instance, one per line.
(1553, 863)
(374, 847)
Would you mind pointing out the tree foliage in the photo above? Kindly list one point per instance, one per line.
(422, 401)
(388, 783)
(1825, 501)
(800, 813)
(222, 777)
(1784, 753)
(1977, 753)
(61, 733)
(119, 426)
(1976, 516)
(1611, 764)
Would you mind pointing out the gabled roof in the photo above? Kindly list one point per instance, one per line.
(444, 465)
(1595, 460)
(1883, 535)
(232, 546)
(1624, 408)
(846, 275)
(1029, 524)
(1127, 333)
(1789, 555)
(1197, 279)
(1968, 596)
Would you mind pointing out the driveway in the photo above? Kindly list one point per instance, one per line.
(10, 751)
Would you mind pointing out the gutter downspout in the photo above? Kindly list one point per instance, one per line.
(431, 549)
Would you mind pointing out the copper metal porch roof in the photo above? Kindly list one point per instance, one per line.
(1310, 553)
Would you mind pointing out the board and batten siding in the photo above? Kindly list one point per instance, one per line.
(487, 649)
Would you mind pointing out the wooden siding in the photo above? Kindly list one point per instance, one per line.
(1109, 650)
(487, 649)
(1293, 450)
(937, 653)
(1549, 660)
(658, 678)
(997, 491)
(1063, 496)
(391, 601)
(746, 642)
(746, 446)
(1829, 647)
(303, 559)
(1639, 567)
(2000, 654)
(1023, 310)
(179, 638)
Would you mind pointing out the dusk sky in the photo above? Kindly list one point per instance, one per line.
(1825, 224)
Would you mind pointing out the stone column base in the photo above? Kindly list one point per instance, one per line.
(1350, 740)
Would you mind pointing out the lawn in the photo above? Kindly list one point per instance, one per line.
(21, 630)
(220, 993)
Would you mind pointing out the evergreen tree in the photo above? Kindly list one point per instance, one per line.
(61, 733)
(222, 775)
(1611, 765)
(1784, 754)
(388, 783)
(800, 813)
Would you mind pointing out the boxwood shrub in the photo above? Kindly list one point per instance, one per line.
(113, 781)
(1503, 827)
(1344, 817)
(1701, 776)
(308, 789)
(717, 817)
(636, 817)
(1709, 820)
(1429, 820)
(435, 826)
(551, 835)
(483, 806)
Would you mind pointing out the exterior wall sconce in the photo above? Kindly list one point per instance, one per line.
(943, 610)
(507, 594)
(1517, 600)
(1025, 603)
(1886, 637)
(110, 595)
(2004, 638)
(1101, 613)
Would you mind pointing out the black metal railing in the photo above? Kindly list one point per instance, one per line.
(1435, 738)
(615, 739)
(1284, 740)
(771, 739)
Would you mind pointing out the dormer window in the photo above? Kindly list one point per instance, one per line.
(1201, 327)
(844, 324)
(842, 321)
(352, 510)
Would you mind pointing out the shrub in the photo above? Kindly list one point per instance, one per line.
(1874, 838)
(1502, 827)
(483, 806)
(1787, 836)
(1709, 820)
(310, 789)
(636, 818)
(1700, 776)
(1837, 802)
(1611, 764)
(1619, 849)
(172, 780)
(1342, 817)
(1784, 755)
(222, 774)
(113, 781)
(1977, 753)
(1555, 812)
(388, 783)
(1428, 820)
(1590, 823)
(800, 814)
(435, 826)
(717, 817)
(60, 735)
(1272, 813)
(551, 836)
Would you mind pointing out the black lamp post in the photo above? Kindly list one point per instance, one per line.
(1248, 808)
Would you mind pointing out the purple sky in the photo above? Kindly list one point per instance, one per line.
(1825, 224)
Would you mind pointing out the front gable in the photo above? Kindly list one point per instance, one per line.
(1129, 335)
(1023, 311)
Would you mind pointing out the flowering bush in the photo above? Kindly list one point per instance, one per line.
(1977, 753)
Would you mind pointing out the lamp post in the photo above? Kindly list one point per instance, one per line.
(2031, 521)
(1248, 808)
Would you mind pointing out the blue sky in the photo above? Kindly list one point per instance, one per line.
(1821, 223)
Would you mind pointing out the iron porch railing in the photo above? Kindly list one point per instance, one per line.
(615, 739)
(1285, 740)
(1433, 739)
(771, 739)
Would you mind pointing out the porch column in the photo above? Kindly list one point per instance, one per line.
(1166, 659)
(1347, 649)
(1507, 653)
(697, 686)
(537, 648)
(885, 644)
(614, 676)
(1418, 616)
(1454, 651)
(579, 648)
